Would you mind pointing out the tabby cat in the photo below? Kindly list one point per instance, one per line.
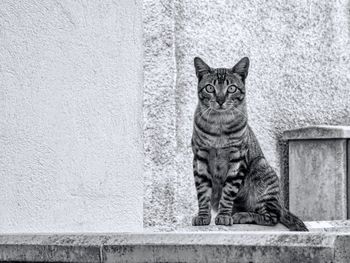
(232, 176)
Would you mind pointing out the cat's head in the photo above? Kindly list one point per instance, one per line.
(221, 89)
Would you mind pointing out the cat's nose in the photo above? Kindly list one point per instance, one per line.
(220, 102)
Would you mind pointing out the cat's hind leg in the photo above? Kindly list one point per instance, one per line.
(254, 218)
(264, 218)
(261, 195)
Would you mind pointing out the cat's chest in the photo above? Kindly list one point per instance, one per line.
(219, 135)
(219, 160)
(222, 160)
(234, 142)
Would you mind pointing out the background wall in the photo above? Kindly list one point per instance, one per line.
(299, 75)
(71, 101)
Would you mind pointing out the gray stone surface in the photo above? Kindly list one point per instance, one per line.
(319, 171)
(317, 132)
(186, 246)
(50, 248)
(299, 75)
(340, 226)
(318, 179)
(215, 228)
(341, 251)
(224, 247)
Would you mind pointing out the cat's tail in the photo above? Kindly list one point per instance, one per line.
(292, 221)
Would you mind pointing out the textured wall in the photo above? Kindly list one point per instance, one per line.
(71, 109)
(159, 108)
(299, 75)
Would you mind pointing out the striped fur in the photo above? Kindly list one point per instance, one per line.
(232, 176)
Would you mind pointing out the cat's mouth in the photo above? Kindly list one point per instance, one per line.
(220, 109)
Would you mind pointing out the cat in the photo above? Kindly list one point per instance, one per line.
(232, 176)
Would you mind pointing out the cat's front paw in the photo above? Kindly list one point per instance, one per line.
(224, 220)
(201, 220)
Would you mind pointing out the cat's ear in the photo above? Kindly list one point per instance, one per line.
(201, 67)
(241, 68)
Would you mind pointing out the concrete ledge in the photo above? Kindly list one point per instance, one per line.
(318, 132)
(234, 246)
(341, 226)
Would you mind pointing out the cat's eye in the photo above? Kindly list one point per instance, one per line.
(232, 89)
(209, 88)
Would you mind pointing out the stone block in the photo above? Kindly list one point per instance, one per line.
(50, 248)
(318, 172)
(222, 247)
(203, 245)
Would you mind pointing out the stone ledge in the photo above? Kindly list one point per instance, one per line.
(318, 132)
(313, 226)
(185, 246)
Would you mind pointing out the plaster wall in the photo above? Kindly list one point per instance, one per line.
(70, 118)
(299, 75)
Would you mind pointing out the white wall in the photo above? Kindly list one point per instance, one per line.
(71, 105)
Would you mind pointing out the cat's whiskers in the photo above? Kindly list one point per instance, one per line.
(233, 116)
(202, 113)
(209, 115)
(244, 115)
(231, 110)
(217, 119)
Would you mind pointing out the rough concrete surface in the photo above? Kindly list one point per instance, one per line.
(340, 226)
(299, 75)
(318, 179)
(214, 228)
(219, 247)
(71, 114)
(318, 132)
(177, 247)
(159, 111)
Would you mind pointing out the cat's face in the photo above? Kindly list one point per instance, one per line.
(221, 89)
